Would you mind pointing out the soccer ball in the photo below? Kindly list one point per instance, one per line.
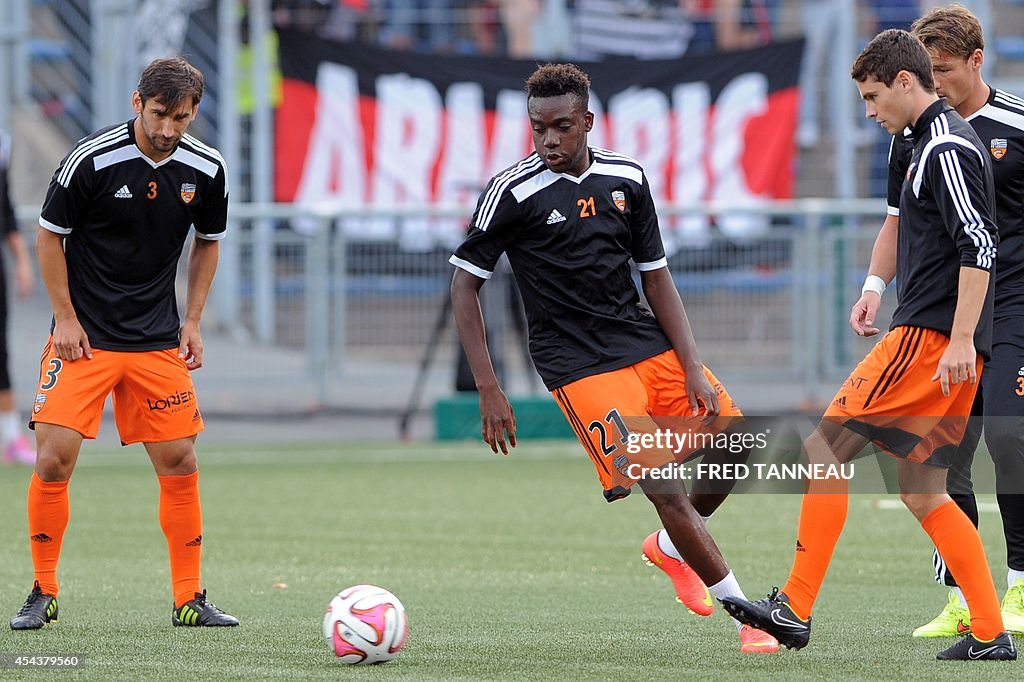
(365, 624)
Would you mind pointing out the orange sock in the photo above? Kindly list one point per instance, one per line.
(181, 519)
(822, 517)
(48, 514)
(960, 546)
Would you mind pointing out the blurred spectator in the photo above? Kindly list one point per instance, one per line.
(422, 25)
(722, 25)
(519, 18)
(482, 28)
(892, 14)
(822, 21)
(303, 15)
(646, 29)
(14, 446)
(346, 19)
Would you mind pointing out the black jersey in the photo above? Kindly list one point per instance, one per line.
(1000, 125)
(946, 208)
(8, 220)
(570, 240)
(126, 219)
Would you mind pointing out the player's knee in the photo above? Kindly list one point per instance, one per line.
(53, 464)
(921, 504)
(181, 464)
(176, 458)
(666, 501)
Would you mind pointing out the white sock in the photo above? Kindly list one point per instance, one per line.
(666, 546)
(665, 542)
(1013, 576)
(727, 587)
(960, 593)
(9, 426)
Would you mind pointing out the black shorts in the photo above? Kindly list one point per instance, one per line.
(5, 374)
(1002, 380)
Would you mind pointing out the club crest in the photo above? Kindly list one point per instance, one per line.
(619, 199)
(997, 146)
(188, 192)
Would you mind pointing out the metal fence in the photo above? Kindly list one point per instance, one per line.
(769, 308)
(350, 320)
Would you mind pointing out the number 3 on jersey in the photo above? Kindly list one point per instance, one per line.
(151, 194)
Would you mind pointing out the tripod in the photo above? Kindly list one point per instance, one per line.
(437, 335)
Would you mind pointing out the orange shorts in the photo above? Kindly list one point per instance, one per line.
(605, 409)
(154, 399)
(890, 398)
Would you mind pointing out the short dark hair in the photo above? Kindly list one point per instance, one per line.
(171, 81)
(554, 80)
(953, 30)
(890, 52)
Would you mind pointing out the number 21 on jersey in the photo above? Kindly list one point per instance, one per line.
(587, 209)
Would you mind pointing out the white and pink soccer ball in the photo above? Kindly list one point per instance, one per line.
(365, 624)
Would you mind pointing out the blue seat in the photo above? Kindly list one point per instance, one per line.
(48, 49)
(1009, 47)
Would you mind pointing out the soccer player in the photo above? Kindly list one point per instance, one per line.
(116, 216)
(912, 394)
(570, 218)
(13, 443)
(954, 39)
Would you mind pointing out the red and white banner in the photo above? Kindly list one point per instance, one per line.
(364, 127)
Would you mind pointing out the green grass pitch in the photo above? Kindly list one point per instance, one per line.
(510, 568)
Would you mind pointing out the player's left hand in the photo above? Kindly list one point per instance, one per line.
(701, 393)
(957, 364)
(23, 278)
(190, 348)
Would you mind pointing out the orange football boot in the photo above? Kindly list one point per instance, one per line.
(690, 591)
(754, 641)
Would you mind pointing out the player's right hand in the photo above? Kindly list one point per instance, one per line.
(863, 313)
(70, 342)
(497, 420)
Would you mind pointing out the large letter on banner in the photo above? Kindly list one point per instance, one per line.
(373, 127)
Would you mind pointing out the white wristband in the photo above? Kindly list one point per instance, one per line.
(873, 283)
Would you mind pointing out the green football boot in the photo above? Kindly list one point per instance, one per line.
(953, 621)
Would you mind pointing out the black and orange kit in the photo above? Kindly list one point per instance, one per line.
(946, 222)
(1000, 399)
(570, 241)
(125, 219)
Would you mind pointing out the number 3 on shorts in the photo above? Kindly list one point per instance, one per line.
(51, 374)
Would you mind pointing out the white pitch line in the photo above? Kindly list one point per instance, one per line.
(890, 505)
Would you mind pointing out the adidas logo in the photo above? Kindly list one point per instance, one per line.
(41, 537)
(555, 217)
(800, 546)
(195, 543)
(123, 193)
(187, 615)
